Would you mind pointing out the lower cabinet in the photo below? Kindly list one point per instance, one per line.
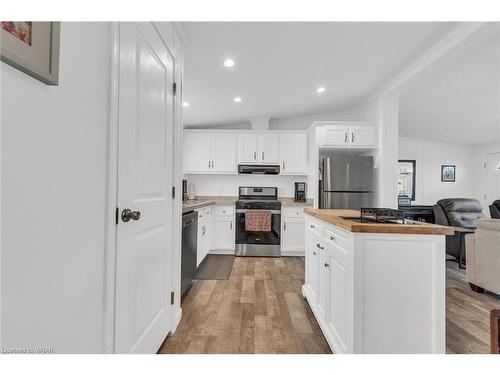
(292, 231)
(327, 283)
(224, 230)
(205, 226)
(376, 292)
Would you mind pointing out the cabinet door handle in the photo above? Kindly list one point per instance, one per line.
(255, 155)
(262, 155)
(231, 225)
(327, 265)
(352, 137)
(209, 163)
(345, 138)
(213, 163)
(315, 253)
(283, 165)
(333, 238)
(320, 247)
(312, 227)
(284, 226)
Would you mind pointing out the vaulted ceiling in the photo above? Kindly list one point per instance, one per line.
(279, 66)
(461, 103)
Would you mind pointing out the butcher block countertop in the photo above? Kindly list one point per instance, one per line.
(340, 218)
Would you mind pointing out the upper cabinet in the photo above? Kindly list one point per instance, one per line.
(353, 136)
(224, 153)
(247, 148)
(258, 148)
(220, 152)
(205, 152)
(293, 150)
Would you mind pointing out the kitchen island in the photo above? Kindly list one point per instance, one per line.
(376, 288)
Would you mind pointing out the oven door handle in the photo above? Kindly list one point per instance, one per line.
(242, 211)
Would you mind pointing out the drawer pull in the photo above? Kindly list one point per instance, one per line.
(320, 247)
(327, 265)
(312, 227)
(315, 253)
(333, 238)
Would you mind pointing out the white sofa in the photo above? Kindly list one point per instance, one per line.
(483, 256)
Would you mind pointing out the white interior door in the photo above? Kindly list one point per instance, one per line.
(145, 166)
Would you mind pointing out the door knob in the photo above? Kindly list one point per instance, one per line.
(127, 214)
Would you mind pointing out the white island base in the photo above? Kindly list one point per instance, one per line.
(376, 292)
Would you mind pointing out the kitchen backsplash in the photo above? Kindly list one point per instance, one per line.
(227, 185)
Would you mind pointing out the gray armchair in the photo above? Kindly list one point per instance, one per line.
(459, 213)
(495, 209)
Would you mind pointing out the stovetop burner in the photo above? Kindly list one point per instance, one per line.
(264, 198)
(258, 205)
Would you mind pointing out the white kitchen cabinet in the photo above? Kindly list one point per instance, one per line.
(258, 148)
(348, 136)
(293, 150)
(209, 152)
(365, 288)
(292, 231)
(197, 152)
(247, 148)
(205, 226)
(224, 230)
(362, 136)
(335, 136)
(224, 153)
(323, 300)
(268, 148)
(312, 267)
(337, 290)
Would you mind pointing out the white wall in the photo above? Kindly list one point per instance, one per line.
(430, 156)
(53, 196)
(227, 185)
(487, 159)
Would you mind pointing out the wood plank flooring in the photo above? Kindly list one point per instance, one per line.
(260, 309)
(467, 314)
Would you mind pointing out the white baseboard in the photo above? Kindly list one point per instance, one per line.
(177, 320)
(222, 252)
(292, 253)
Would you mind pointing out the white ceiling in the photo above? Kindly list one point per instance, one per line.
(280, 65)
(460, 104)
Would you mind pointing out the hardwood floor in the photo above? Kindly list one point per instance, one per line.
(260, 309)
(467, 314)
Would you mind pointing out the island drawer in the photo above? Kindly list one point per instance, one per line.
(336, 237)
(314, 226)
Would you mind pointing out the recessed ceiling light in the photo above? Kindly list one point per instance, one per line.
(320, 89)
(229, 63)
(185, 104)
(237, 99)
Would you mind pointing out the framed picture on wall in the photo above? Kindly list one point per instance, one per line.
(32, 47)
(447, 173)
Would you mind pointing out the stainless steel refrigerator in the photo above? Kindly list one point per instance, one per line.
(346, 182)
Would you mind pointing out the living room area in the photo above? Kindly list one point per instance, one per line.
(449, 174)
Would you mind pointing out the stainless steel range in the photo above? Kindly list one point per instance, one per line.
(258, 222)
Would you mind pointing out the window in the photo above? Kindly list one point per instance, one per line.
(406, 178)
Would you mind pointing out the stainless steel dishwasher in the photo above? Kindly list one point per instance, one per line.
(189, 246)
